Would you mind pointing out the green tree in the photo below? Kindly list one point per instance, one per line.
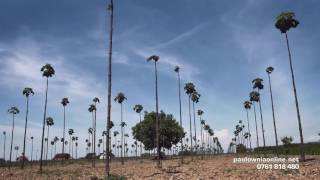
(287, 140)
(47, 71)
(13, 110)
(120, 98)
(284, 22)
(170, 131)
(156, 58)
(26, 92)
(50, 122)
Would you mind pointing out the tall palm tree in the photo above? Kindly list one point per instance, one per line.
(177, 70)
(123, 124)
(70, 132)
(200, 113)
(90, 131)
(195, 99)
(50, 122)
(120, 98)
(269, 70)
(254, 97)
(247, 106)
(95, 100)
(156, 58)
(73, 139)
(47, 71)
(138, 108)
(284, 22)
(26, 92)
(76, 144)
(13, 110)
(115, 134)
(4, 144)
(202, 122)
(190, 89)
(64, 102)
(17, 149)
(31, 148)
(52, 144)
(107, 166)
(104, 133)
(55, 139)
(257, 83)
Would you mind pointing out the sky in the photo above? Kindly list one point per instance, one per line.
(221, 46)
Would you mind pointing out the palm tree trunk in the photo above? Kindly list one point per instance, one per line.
(94, 135)
(25, 133)
(296, 102)
(261, 118)
(249, 128)
(191, 148)
(255, 120)
(157, 118)
(195, 127)
(180, 114)
(47, 143)
(122, 143)
(107, 167)
(140, 141)
(31, 149)
(44, 121)
(4, 147)
(11, 139)
(64, 127)
(274, 119)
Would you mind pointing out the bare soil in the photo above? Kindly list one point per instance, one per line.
(214, 167)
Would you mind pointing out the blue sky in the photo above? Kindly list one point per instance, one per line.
(219, 45)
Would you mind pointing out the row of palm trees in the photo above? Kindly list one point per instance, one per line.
(284, 22)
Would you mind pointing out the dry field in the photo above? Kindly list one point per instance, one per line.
(216, 167)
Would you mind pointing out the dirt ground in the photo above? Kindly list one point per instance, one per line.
(215, 167)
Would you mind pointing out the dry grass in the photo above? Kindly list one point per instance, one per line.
(216, 167)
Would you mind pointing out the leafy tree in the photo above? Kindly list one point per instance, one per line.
(170, 131)
(284, 22)
(26, 92)
(287, 140)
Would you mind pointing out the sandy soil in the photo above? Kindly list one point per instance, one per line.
(215, 167)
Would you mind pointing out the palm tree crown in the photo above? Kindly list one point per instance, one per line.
(153, 57)
(200, 112)
(13, 110)
(65, 101)
(120, 98)
(195, 96)
(177, 69)
(189, 88)
(254, 96)
(96, 100)
(257, 83)
(138, 108)
(49, 121)
(247, 104)
(269, 69)
(92, 108)
(27, 91)
(47, 70)
(285, 21)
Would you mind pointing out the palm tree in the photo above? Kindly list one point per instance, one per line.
(17, 149)
(195, 99)
(90, 131)
(107, 166)
(123, 124)
(4, 144)
(104, 133)
(13, 110)
(202, 122)
(64, 102)
(190, 89)
(257, 83)
(95, 100)
(247, 106)
(284, 22)
(73, 139)
(26, 92)
(254, 97)
(50, 122)
(52, 144)
(269, 70)
(138, 108)
(31, 148)
(47, 71)
(55, 139)
(70, 132)
(120, 98)
(76, 149)
(156, 58)
(177, 70)
(115, 133)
